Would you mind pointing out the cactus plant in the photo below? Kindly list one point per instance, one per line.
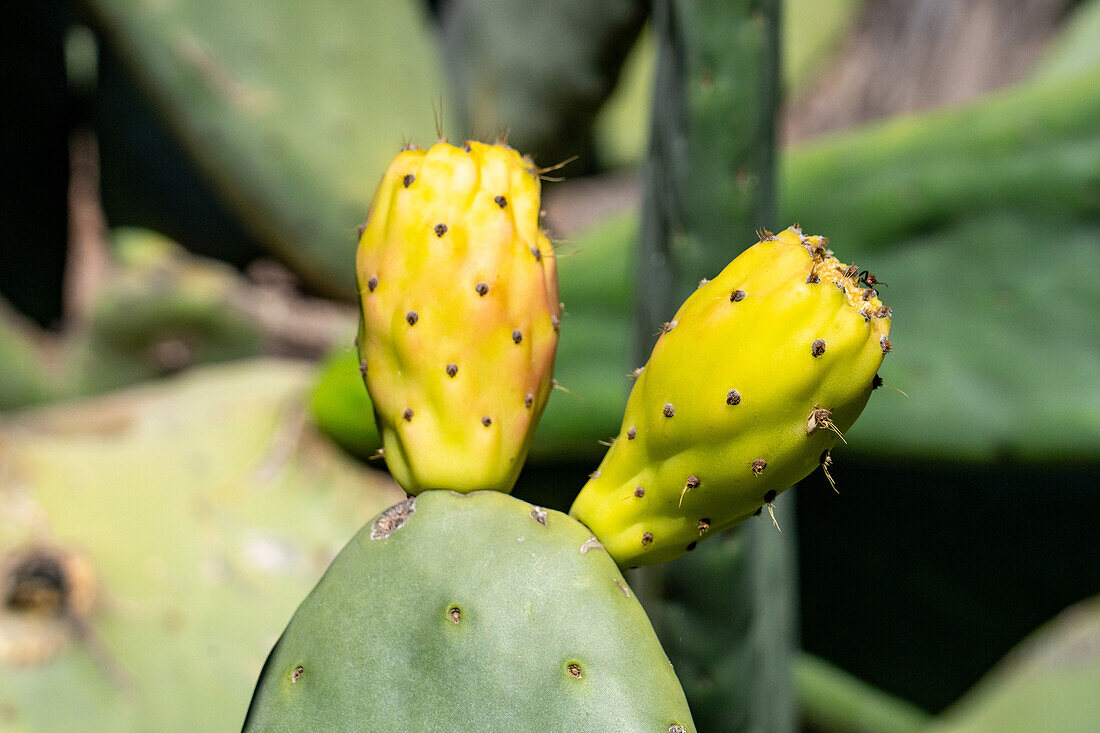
(27, 379)
(540, 71)
(460, 315)
(271, 102)
(1049, 681)
(710, 177)
(1014, 191)
(470, 612)
(749, 386)
(153, 542)
(162, 311)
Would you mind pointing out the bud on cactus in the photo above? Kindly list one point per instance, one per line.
(460, 314)
(747, 389)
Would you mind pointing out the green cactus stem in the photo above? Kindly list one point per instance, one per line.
(470, 612)
(710, 181)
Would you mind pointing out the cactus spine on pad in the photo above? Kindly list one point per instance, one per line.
(460, 315)
(766, 367)
(461, 612)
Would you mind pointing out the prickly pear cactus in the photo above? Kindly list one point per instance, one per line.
(470, 612)
(539, 70)
(163, 310)
(749, 387)
(460, 315)
(154, 541)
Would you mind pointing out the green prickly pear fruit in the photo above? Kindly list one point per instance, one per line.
(460, 315)
(463, 612)
(748, 388)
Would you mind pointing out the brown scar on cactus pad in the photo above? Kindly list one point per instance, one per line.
(47, 594)
(392, 519)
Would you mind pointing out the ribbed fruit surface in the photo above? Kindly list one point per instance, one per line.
(746, 391)
(460, 315)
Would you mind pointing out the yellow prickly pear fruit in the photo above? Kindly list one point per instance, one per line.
(460, 315)
(747, 389)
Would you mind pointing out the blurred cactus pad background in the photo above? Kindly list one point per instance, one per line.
(186, 442)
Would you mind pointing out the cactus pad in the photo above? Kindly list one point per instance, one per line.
(470, 612)
(460, 315)
(749, 386)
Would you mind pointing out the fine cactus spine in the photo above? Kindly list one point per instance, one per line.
(460, 315)
(768, 364)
